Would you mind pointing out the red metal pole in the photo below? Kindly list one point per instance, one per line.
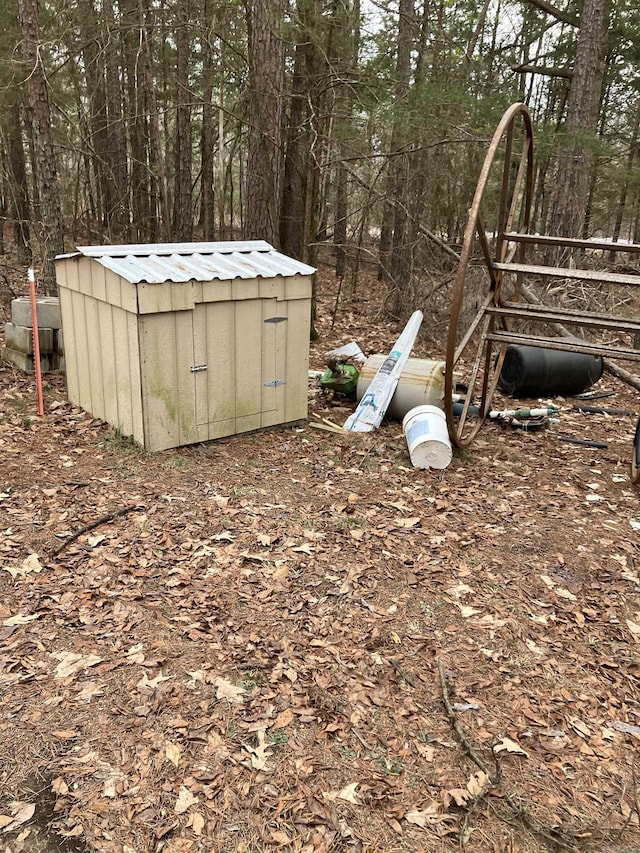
(36, 340)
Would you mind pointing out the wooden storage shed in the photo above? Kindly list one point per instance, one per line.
(181, 343)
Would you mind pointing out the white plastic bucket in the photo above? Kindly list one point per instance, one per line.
(425, 428)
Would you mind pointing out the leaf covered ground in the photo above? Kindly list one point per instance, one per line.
(293, 640)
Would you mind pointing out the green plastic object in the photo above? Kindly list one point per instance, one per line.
(343, 378)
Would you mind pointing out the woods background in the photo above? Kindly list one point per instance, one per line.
(309, 122)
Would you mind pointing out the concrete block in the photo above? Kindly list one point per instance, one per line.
(48, 308)
(58, 344)
(23, 361)
(21, 338)
(57, 362)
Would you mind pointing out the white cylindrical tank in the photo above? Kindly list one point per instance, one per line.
(421, 383)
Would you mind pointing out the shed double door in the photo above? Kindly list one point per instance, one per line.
(239, 367)
(212, 371)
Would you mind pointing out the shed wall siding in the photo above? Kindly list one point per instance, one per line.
(109, 368)
(126, 360)
(94, 350)
(96, 276)
(135, 378)
(102, 361)
(82, 352)
(71, 361)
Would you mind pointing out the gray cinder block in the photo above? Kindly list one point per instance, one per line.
(21, 338)
(48, 308)
(57, 362)
(25, 362)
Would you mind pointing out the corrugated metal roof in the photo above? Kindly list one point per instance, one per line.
(182, 262)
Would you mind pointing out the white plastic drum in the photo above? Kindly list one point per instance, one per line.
(425, 428)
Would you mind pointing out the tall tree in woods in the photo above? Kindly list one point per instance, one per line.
(17, 186)
(137, 126)
(347, 38)
(106, 129)
(15, 178)
(572, 178)
(44, 160)
(395, 265)
(298, 221)
(159, 211)
(182, 201)
(116, 143)
(265, 21)
(207, 195)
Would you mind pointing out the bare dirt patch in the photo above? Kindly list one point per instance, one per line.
(255, 653)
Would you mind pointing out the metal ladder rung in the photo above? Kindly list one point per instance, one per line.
(571, 242)
(569, 345)
(527, 311)
(563, 272)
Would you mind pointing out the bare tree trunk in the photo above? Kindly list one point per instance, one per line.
(207, 196)
(116, 143)
(44, 161)
(137, 125)
(3, 195)
(398, 262)
(18, 201)
(92, 55)
(293, 184)
(156, 158)
(622, 199)
(347, 50)
(265, 20)
(182, 197)
(572, 177)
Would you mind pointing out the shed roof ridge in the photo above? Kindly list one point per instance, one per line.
(201, 248)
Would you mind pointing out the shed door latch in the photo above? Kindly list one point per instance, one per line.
(198, 368)
(275, 383)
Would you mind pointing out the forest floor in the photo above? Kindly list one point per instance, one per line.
(293, 640)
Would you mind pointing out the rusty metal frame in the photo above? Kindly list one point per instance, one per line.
(495, 315)
(516, 114)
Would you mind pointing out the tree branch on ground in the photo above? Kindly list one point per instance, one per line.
(88, 527)
(554, 838)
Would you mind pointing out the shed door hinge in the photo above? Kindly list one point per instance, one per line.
(276, 320)
(274, 383)
(197, 368)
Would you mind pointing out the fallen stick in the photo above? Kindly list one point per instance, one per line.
(584, 442)
(622, 374)
(594, 395)
(553, 837)
(334, 429)
(88, 527)
(600, 410)
(462, 735)
(329, 425)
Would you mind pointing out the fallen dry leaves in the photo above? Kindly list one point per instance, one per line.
(246, 660)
